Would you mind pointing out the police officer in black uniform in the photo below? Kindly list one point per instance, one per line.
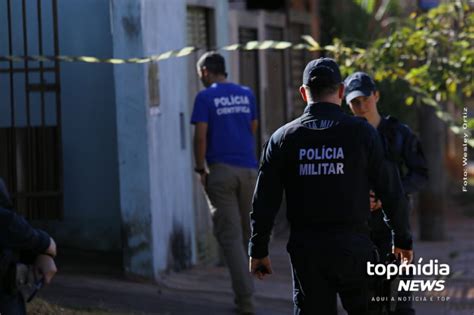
(401, 146)
(325, 161)
(20, 243)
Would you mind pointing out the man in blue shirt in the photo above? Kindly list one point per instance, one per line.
(225, 119)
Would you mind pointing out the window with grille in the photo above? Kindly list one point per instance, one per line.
(198, 27)
(200, 33)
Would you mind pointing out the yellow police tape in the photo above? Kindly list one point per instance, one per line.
(310, 44)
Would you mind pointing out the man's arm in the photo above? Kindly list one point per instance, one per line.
(200, 118)
(265, 205)
(267, 197)
(385, 179)
(34, 245)
(200, 144)
(17, 234)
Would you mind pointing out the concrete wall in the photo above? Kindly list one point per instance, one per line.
(91, 196)
(133, 138)
(156, 171)
(170, 170)
(128, 167)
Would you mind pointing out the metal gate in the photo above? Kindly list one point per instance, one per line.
(30, 109)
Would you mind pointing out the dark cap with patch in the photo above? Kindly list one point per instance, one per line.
(321, 72)
(213, 62)
(358, 84)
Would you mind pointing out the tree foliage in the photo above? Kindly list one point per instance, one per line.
(433, 52)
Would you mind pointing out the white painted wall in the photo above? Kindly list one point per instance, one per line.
(154, 143)
(132, 138)
(164, 28)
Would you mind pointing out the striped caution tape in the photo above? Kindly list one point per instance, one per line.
(310, 45)
(89, 59)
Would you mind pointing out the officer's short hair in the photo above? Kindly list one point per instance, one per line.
(321, 91)
(213, 62)
(322, 76)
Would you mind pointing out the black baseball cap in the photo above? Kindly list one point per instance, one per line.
(212, 61)
(321, 72)
(358, 84)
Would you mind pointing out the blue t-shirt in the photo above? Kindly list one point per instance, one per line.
(228, 109)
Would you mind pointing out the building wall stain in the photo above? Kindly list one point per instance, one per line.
(131, 22)
(136, 236)
(180, 249)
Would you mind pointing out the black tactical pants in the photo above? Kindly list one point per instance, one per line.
(381, 235)
(331, 265)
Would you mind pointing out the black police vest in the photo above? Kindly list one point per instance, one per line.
(326, 181)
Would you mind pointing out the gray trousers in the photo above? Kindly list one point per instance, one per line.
(229, 190)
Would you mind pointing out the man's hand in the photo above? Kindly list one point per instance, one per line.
(260, 267)
(375, 203)
(45, 267)
(52, 248)
(405, 255)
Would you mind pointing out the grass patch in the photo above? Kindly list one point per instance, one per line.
(41, 307)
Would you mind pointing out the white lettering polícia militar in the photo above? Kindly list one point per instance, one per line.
(321, 154)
